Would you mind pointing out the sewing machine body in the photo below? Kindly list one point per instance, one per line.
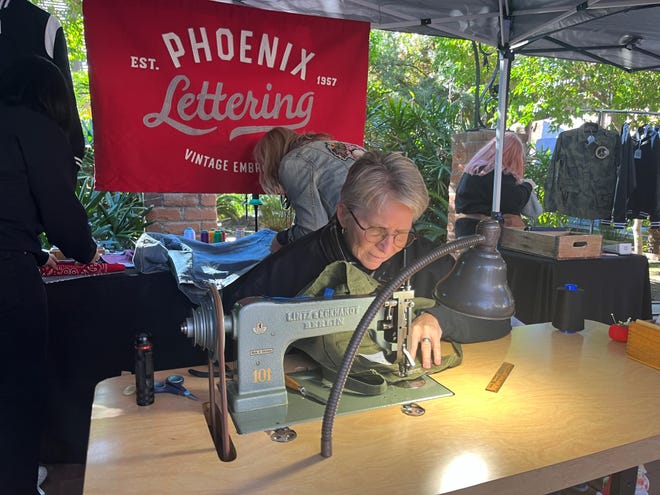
(263, 329)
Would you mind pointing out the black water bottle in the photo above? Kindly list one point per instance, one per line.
(144, 370)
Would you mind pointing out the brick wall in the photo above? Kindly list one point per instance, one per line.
(173, 212)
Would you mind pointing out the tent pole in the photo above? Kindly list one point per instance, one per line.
(506, 56)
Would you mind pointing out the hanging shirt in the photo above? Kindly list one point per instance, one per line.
(644, 202)
(626, 181)
(582, 175)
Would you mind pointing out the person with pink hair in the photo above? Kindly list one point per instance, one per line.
(474, 195)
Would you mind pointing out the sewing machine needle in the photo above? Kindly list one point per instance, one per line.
(294, 385)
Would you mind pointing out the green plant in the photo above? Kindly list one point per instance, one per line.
(536, 168)
(117, 219)
(273, 215)
(230, 206)
(420, 126)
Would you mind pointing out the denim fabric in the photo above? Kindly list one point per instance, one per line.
(313, 176)
(196, 264)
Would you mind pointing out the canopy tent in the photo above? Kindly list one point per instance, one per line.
(623, 33)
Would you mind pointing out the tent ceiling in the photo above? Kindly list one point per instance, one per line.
(623, 33)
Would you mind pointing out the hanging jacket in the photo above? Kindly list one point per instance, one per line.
(626, 181)
(582, 175)
(644, 202)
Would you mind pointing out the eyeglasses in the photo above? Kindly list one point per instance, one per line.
(378, 234)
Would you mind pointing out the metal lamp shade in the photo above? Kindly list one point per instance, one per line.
(477, 286)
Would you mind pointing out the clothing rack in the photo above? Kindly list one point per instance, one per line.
(637, 224)
(604, 111)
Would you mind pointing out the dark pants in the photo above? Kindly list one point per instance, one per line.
(23, 339)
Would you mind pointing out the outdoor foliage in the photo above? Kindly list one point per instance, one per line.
(536, 168)
(273, 215)
(424, 89)
(563, 90)
(117, 219)
(416, 120)
(230, 206)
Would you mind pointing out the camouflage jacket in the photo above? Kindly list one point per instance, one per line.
(582, 175)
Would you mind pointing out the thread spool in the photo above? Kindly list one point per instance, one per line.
(189, 233)
(568, 316)
(204, 236)
(218, 236)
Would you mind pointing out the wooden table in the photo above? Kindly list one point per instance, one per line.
(574, 408)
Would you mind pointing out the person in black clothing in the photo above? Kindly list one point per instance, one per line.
(474, 194)
(383, 195)
(37, 195)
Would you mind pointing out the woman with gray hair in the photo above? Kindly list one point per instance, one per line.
(382, 197)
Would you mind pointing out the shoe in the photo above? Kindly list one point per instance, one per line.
(41, 477)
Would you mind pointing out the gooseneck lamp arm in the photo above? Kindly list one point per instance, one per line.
(383, 295)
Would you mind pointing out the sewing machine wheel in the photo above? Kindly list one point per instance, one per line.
(217, 417)
(203, 324)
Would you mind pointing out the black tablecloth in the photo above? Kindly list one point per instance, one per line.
(616, 285)
(93, 321)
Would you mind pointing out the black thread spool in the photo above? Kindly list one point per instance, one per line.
(144, 370)
(568, 316)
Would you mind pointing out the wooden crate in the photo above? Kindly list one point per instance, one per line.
(552, 244)
(644, 343)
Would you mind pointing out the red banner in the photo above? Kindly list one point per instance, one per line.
(182, 90)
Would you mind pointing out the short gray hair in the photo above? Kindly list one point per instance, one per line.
(378, 176)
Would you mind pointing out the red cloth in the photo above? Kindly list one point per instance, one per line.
(72, 268)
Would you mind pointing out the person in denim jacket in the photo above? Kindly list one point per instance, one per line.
(309, 169)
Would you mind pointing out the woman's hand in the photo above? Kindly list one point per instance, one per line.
(52, 261)
(426, 334)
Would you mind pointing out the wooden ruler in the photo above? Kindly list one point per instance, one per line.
(499, 377)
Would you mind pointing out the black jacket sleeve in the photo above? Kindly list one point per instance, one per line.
(48, 158)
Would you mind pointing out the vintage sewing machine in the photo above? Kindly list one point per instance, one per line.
(263, 329)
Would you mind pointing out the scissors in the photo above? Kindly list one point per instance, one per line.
(173, 384)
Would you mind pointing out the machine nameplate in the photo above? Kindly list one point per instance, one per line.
(260, 352)
(323, 313)
(323, 317)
